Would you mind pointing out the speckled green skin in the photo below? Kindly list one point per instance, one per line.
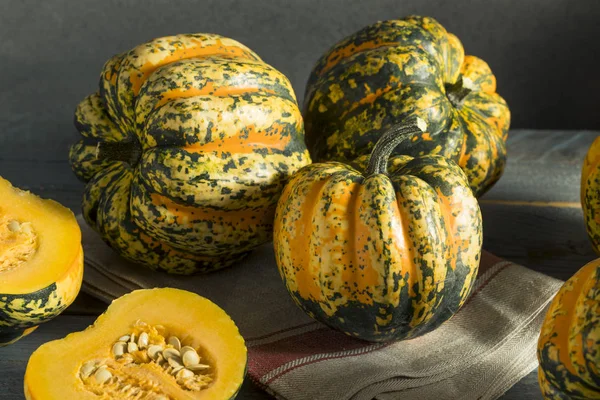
(21, 312)
(569, 344)
(381, 257)
(391, 70)
(186, 149)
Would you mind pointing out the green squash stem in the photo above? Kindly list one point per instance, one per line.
(384, 147)
(129, 152)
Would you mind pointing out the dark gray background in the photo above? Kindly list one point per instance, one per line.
(544, 52)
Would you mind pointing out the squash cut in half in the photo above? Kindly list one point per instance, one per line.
(152, 344)
(41, 261)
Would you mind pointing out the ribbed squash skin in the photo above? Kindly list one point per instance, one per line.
(590, 193)
(569, 344)
(213, 134)
(380, 257)
(46, 284)
(391, 70)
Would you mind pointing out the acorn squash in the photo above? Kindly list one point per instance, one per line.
(385, 254)
(186, 148)
(41, 261)
(153, 344)
(569, 344)
(392, 70)
(590, 193)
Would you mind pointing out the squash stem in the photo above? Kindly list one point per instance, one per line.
(457, 92)
(384, 147)
(129, 152)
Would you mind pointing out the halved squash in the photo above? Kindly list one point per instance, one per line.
(152, 344)
(41, 261)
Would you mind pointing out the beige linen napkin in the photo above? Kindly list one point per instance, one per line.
(479, 354)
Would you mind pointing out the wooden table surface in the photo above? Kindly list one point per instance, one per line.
(532, 217)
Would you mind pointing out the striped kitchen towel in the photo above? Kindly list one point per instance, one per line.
(478, 354)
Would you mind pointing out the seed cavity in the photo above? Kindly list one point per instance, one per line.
(18, 243)
(146, 347)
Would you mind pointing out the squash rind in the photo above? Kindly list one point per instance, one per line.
(391, 70)
(218, 133)
(569, 343)
(383, 257)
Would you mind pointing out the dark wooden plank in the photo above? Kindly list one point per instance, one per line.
(85, 304)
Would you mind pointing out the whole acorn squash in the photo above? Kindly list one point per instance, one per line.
(154, 344)
(186, 149)
(569, 344)
(387, 254)
(41, 261)
(392, 70)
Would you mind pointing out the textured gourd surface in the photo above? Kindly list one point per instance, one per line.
(209, 135)
(590, 193)
(41, 260)
(379, 257)
(197, 321)
(394, 69)
(569, 344)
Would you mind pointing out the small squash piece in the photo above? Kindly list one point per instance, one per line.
(395, 69)
(185, 149)
(41, 261)
(569, 344)
(151, 344)
(383, 255)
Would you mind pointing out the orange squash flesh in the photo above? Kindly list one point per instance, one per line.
(41, 261)
(196, 321)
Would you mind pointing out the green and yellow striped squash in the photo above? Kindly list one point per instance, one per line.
(379, 255)
(590, 193)
(41, 261)
(186, 148)
(569, 344)
(392, 70)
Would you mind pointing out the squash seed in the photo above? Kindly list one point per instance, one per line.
(132, 338)
(131, 347)
(170, 352)
(176, 369)
(184, 373)
(143, 340)
(119, 349)
(185, 349)
(190, 358)
(87, 369)
(174, 341)
(102, 375)
(198, 367)
(154, 350)
(174, 362)
(124, 338)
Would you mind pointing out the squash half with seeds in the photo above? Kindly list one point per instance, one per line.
(569, 343)
(396, 69)
(41, 261)
(154, 344)
(385, 254)
(186, 148)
